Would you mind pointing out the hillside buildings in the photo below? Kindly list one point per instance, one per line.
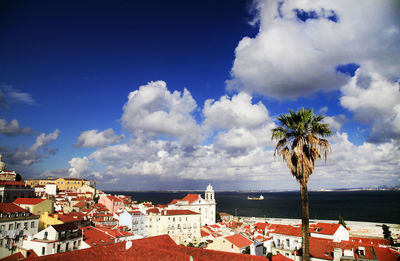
(55, 239)
(11, 190)
(15, 224)
(194, 202)
(62, 183)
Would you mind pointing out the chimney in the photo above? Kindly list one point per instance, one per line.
(128, 244)
(337, 254)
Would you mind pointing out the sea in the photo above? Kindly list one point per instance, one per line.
(367, 206)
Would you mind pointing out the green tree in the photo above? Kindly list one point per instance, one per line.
(387, 234)
(246, 250)
(300, 142)
(342, 222)
(218, 217)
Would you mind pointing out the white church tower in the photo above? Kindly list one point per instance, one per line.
(209, 194)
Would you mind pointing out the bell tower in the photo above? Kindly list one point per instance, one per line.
(209, 194)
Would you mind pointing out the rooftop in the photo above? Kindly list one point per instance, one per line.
(28, 201)
(11, 208)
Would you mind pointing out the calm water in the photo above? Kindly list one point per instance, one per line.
(373, 206)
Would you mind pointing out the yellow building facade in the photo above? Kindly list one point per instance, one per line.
(71, 183)
(39, 182)
(46, 220)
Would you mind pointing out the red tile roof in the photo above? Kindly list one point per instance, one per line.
(114, 198)
(370, 241)
(80, 204)
(153, 210)
(114, 232)
(93, 236)
(191, 198)
(28, 201)
(285, 230)
(204, 233)
(239, 241)
(11, 208)
(324, 228)
(280, 257)
(260, 225)
(174, 212)
(11, 183)
(206, 254)
(323, 248)
(151, 248)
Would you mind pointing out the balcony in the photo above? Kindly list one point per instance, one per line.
(70, 235)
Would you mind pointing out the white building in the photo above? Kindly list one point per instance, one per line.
(55, 239)
(335, 232)
(183, 226)
(134, 220)
(15, 224)
(50, 189)
(206, 207)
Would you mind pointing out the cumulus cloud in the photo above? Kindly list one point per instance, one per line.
(165, 161)
(300, 44)
(335, 122)
(8, 94)
(237, 111)
(33, 154)
(12, 128)
(93, 138)
(241, 124)
(366, 165)
(153, 110)
(80, 167)
(374, 100)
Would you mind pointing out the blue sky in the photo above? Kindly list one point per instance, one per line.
(179, 94)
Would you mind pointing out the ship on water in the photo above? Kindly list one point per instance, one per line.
(259, 198)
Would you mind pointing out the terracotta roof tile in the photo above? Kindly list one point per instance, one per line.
(324, 228)
(11, 208)
(174, 212)
(28, 201)
(239, 240)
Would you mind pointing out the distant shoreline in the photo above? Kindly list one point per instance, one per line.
(254, 191)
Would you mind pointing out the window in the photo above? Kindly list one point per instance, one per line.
(43, 250)
(18, 226)
(33, 224)
(10, 226)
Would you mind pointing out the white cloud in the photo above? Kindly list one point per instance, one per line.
(8, 94)
(12, 128)
(335, 122)
(93, 138)
(358, 166)
(290, 58)
(80, 167)
(154, 111)
(376, 101)
(237, 111)
(33, 154)
(240, 124)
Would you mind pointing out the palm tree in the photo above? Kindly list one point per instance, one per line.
(300, 143)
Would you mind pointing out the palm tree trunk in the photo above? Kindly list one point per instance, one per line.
(305, 220)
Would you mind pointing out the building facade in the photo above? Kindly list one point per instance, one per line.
(194, 202)
(11, 190)
(15, 224)
(55, 239)
(71, 183)
(183, 226)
